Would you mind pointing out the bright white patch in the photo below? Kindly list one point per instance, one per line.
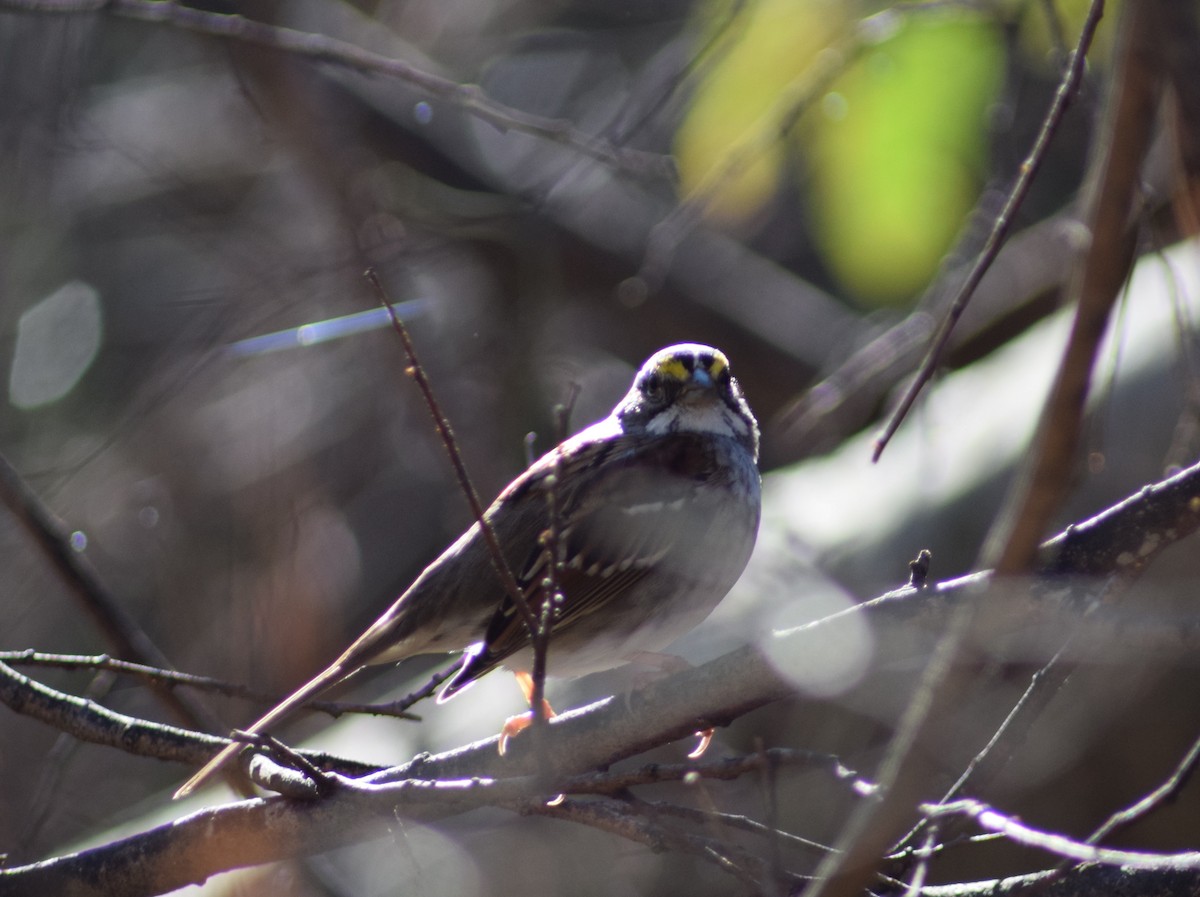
(824, 658)
(607, 428)
(706, 418)
(58, 338)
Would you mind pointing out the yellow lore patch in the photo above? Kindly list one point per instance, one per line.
(673, 367)
(720, 362)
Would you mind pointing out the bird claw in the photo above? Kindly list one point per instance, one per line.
(515, 725)
(706, 738)
(512, 727)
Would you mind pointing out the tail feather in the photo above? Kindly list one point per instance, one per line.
(332, 675)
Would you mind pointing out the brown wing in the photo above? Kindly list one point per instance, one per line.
(629, 510)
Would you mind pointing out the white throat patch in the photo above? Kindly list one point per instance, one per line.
(708, 417)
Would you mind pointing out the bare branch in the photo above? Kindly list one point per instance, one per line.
(322, 49)
(990, 820)
(90, 722)
(417, 372)
(173, 678)
(618, 818)
(1096, 879)
(1164, 793)
(1067, 88)
(1111, 198)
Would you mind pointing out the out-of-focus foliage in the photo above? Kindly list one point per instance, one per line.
(897, 156)
(894, 152)
(765, 47)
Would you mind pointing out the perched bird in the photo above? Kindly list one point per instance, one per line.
(657, 510)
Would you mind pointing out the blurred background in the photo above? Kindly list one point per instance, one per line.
(798, 182)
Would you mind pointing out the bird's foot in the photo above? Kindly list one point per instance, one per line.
(515, 725)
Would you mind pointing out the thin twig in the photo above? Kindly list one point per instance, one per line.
(1027, 268)
(1067, 89)
(617, 818)
(729, 820)
(417, 372)
(552, 596)
(92, 723)
(992, 820)
(399, 707)
(1164, 793)
(921, 872)
(286, 758)
(1013, 733)
(726, 768)
(173, 678)
(1111, 197)
(996, 754)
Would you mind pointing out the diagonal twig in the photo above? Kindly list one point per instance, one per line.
(1164, 793)
(1111, 197)
(1067, 89)
(417, 372)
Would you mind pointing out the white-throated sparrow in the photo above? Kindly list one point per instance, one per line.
(657, 513)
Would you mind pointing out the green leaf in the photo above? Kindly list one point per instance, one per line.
(897, 157)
